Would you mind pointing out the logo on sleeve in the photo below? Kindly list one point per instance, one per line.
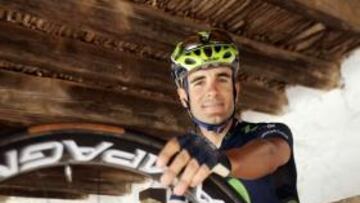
(249, 128)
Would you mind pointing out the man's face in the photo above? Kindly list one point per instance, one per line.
(211, 94)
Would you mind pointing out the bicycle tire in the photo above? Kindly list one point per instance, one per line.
(51, 147)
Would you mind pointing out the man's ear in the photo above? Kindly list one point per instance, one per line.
(183, 96)
(237, 89)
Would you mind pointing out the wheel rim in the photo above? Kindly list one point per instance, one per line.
(73, 161)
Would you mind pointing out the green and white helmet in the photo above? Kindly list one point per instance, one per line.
(203, 50)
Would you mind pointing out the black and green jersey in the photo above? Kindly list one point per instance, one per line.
(277, 187)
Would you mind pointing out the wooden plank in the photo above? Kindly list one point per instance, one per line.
(260, 99)
(48, 185)
(51, 182)
(93, 173)
(82, 61)
(293, 70)
(353, 199)
(7, 127)
(338, 14)
(35, 100)
(59, 193)
(142, 25)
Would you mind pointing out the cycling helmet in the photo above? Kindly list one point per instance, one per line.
(203, 50)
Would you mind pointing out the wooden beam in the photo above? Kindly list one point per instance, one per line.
(290, 68)
(120, 20)
(253, 97)
(87, 179)
(35, 100)
(82, 61)
(93, 173)
(59, 193)
(353, 199)
(7, 127)
(337, 14)
(45, 186)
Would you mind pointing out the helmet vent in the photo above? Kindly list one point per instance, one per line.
(208, 51)
(197, 52)
(227, 55)
(217, 48)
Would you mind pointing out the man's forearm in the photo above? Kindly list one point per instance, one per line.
(258, 158)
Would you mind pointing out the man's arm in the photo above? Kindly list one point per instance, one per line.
(255, 159)
(259, 157)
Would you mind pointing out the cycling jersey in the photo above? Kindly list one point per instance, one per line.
(277, 187)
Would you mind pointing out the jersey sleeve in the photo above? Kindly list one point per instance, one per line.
(269, 130)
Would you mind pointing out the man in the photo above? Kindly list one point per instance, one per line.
(259, 155)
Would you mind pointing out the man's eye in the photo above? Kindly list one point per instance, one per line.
(198, 83)
(224, 79)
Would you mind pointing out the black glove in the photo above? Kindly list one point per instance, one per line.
(205, 152)
(177, 199)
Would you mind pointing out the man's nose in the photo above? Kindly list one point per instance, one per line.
(212, 89)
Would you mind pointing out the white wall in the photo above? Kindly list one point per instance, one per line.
(326, 128)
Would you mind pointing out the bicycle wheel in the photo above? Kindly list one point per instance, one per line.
(75, 160)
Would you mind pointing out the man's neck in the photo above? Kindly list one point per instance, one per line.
(216, 138)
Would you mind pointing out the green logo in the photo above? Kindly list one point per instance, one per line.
(248, 128)
(239, 187)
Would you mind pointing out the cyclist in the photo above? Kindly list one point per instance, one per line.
(259, 156)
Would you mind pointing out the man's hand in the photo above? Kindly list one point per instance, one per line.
(193, 156)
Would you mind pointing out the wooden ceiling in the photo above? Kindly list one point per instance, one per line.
(108, 60)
